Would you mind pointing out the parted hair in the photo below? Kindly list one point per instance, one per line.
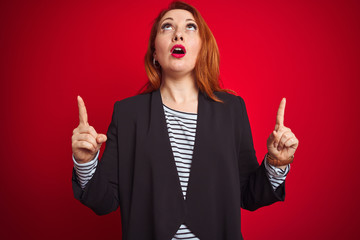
(207, 63)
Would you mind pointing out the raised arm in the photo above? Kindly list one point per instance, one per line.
(101, 191)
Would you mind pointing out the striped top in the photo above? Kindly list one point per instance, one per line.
(182, 130)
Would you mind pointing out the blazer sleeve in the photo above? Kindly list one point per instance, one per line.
(101, 192)
(256, 189)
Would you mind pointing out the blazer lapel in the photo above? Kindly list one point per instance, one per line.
(158, 130)
(159, 146)
(198, 162)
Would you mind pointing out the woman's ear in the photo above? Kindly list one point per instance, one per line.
(154, 54)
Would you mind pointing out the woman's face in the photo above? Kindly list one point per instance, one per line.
(177, 43)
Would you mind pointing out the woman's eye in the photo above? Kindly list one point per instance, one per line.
(166, 26)
(191, 27)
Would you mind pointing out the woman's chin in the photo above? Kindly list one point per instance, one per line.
(178, 70)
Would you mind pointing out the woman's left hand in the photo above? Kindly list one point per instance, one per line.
(282, 142)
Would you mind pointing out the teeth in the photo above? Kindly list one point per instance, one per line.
(178, 50)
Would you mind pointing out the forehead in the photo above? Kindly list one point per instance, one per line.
(178, 15)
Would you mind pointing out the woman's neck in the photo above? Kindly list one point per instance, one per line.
(178, 91)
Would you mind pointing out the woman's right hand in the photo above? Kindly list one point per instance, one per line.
(85, 141)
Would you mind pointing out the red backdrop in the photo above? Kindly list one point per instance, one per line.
(304, 50)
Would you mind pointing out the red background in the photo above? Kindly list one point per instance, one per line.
(304, 50)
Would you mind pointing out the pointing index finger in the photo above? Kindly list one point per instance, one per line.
(280, 114)
(82, 111)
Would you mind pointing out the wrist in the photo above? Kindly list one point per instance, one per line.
(278, 163)
(88, 162)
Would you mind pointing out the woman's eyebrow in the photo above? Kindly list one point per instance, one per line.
(169, 18)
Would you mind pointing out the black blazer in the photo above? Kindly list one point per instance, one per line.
(138, 173)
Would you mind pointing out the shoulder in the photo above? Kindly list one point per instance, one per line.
(130, 106)
(229, 98)
(133, 101)
(235, 104)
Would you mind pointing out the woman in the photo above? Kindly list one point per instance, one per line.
(179, 158)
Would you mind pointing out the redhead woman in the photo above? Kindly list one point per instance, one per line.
(179, 159)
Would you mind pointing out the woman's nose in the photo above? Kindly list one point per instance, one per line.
(178, 36)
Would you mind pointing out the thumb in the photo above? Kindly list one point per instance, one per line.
(276, 138)
(272, 136)
(101, 138)
(272, 140)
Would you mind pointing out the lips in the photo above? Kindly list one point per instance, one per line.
(178, 51)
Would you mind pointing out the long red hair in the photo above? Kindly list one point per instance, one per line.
(207, 63)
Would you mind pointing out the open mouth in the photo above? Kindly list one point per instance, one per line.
(178, 51)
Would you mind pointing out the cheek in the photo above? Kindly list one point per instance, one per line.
(196, 46)
(160, 46)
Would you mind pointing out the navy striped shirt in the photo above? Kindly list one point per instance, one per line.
(182, 130)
